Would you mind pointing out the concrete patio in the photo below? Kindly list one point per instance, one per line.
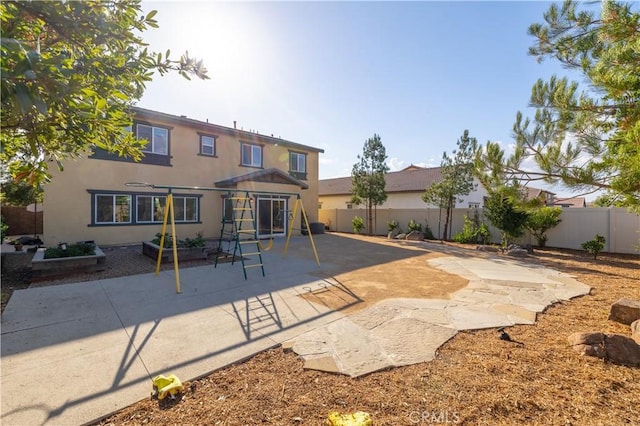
(74, 353)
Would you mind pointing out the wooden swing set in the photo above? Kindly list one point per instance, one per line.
(233, 228)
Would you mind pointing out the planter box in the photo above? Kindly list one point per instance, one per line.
(42, 268)
(151, 250)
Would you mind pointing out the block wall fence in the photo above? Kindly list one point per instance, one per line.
(620, 227)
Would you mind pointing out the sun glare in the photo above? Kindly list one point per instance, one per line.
(231, 40)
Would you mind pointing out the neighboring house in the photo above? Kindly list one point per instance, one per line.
(546, 197)
(90, 201)
(572, 202)
(404, 190)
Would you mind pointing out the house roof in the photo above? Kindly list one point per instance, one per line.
(271, 175)
(410, 179)
(536, 192)
(143, 113)
(570, 202)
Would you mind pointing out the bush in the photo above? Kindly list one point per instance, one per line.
(72, 250)
(358, 224)
(392, 224)
(414, 226)
(483, 233)
(594, 246)
(428, 234)
(472, 232)
(3, 228)
(541, 220)
(196, 242)
(468, 233)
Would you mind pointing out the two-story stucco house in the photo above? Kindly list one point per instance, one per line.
(404, 190)
(90, 201)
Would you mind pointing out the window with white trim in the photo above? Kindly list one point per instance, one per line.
(157, 138)
(251, 155)
(156, 147)
(112, 208)
(298, 165)
(140, 208)
(207, 145)
(150, 208)
(297, 162)
(227, 209)
(185, 209)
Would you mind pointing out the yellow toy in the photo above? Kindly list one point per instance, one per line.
(167, 384)
(359, 418)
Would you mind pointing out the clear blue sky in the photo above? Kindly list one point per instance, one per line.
(330, 75)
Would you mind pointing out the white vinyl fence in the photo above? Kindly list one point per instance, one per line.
(620, 228)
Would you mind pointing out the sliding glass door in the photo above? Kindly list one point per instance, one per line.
(272, 216)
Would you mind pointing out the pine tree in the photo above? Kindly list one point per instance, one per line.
(503, 212)
(368, 177)
(457, 178)
(590, 139)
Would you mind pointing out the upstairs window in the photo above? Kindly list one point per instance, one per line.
(157, 139)
(298, 165)
(251, 155)
(208, 145)
(155, 150)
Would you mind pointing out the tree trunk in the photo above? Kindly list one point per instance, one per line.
(447, 219)
(369, 217)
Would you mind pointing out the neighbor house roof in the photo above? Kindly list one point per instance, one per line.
(143, 113)
(570, 202)
(410, 179)
(536, 192)
(271, 175)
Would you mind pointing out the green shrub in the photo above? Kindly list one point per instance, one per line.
(594, 246)
(392, 224)
(414, 226)
(196, 242)
(472, 232)
(468, 233)
(484, 235)
(168, 240)
(428, 234)
(542, 219)
(3, 228)
(358, 224)
(73, 250)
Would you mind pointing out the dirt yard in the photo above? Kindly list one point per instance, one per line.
(476, 378)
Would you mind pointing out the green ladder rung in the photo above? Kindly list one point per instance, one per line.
(246, 231)
(244, 220)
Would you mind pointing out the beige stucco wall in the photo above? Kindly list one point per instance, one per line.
(403, 200)
(68, 204)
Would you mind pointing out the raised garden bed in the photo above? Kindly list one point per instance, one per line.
(42, 268)
(184, 253)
